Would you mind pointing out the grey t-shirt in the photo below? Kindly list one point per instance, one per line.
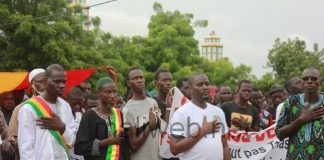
(136, 114)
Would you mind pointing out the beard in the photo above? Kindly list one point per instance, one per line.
(35, 91)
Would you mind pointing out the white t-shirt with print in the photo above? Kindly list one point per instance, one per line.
(188, 119)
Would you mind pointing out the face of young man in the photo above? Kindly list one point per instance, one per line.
(311, 80)
(200, 88)
(277, 98)
(86, 87)
(8, 101)
(185, 89)
(119, 101)
(164, 82)
(75, 102)
(296, 86)
(257, 99)
(56, 83)
(136, 80)
(91, 104)
(245, 91)
(107, 94)
(225, 94)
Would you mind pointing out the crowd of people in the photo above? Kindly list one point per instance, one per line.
(86, 125)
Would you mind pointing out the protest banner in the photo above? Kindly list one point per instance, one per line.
(263, 145)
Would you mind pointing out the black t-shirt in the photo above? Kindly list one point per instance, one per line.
(232, 110)
(272, 111)
(162, 107)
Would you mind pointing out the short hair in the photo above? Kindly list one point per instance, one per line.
(313, 68)
(3, 94)
(158, 72)
(255, 89)
(80, 88)
(75, 91)
(86, 81)
(53, 67)
(288, 83)
(243, 81)
(180, 81)
(130, 70)
(191, 79)
(222, 85)
(92, 96)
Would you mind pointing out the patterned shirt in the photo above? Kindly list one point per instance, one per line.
(308, 142)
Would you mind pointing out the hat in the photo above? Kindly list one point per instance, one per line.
(275, 88)
(103, 81)
(34, 73)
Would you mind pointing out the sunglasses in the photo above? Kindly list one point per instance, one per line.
(310, 78)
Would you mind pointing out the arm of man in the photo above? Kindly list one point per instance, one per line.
(7, 146)
(85, 143)
(69, 130)
(225, 107)
(64, 124)
(226, 150)
(180, 140)
(137, 141)
(13, 124)
(286, 129)
(26, 132)
(113, 138)
(167, 115)
(180, 143)
(255, 122)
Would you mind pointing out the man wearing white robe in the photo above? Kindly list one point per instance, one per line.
(35, 141)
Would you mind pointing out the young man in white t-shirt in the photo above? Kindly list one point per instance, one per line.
(198, 128)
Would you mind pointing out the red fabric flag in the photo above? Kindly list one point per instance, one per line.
(19, 80)
(24, 84)
(76, 77)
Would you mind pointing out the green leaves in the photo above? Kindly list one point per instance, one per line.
(58, 37)
(289, 58)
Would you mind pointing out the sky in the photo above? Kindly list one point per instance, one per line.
(248, 28)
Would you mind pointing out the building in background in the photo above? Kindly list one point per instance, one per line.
(212, 49)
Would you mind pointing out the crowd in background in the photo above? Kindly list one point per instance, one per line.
(84, 116)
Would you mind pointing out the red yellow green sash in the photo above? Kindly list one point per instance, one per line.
(43, 110)
(113, 151)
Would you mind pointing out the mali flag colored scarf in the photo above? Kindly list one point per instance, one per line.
(43, 110)
(113, 151)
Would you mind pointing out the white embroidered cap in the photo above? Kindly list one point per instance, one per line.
(34, 73)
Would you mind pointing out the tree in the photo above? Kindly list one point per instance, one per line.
(224, 72)
(170, 40)
(38, 33)
(289, 58)
(171, 45)
(266, 81)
